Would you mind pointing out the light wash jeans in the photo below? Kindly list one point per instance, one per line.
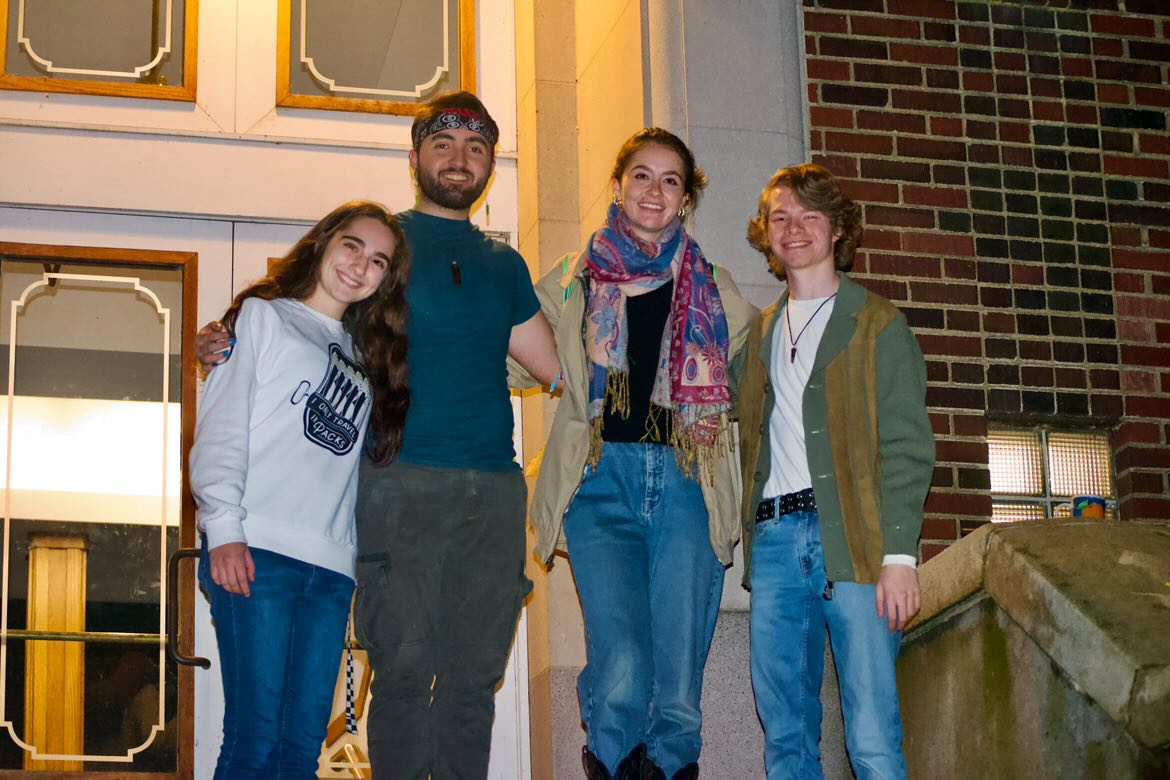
(279, 652)
(650, 587)
(790, 609)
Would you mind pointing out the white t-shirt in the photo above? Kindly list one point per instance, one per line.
(279, 434)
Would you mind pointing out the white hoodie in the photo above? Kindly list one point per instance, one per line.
(278, 437)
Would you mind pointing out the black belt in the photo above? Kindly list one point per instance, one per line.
(785, 505)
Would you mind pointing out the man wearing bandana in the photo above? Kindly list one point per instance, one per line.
(440, 531)
(441, 542)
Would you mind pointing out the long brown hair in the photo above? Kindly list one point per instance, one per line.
(378, 323)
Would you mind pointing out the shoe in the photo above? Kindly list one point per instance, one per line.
(688, 772)
(633, 766)
(594, 769)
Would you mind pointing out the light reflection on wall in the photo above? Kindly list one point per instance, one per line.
(87, 460)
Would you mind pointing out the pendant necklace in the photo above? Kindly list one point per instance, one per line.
(788, 319)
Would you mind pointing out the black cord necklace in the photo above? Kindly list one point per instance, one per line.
(788, 319)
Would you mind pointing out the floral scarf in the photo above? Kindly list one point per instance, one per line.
(691, 378)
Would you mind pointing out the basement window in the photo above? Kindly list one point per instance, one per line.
(1037, 472)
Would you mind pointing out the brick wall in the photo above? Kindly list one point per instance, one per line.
(1014, 165)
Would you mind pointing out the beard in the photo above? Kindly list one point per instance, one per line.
(450, 197)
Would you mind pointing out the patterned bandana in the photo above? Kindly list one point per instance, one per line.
(456, 119)
(691, 379)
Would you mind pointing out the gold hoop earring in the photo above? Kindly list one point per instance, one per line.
(682, 212)
(617, 200)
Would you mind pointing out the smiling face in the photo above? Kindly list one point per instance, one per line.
(452, 168)
(352, 265)
(651, 190)
(801, 239)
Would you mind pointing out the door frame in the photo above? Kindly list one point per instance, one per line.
(188, 262)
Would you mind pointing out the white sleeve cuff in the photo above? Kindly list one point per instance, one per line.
(900, 560)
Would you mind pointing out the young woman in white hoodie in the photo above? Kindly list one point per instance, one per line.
(274, 470)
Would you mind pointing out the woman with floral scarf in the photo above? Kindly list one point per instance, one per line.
(637, 479)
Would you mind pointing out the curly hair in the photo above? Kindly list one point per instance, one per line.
(694, 180)
(378, 323)
(815, 188)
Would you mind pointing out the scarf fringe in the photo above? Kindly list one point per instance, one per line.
(696, 459)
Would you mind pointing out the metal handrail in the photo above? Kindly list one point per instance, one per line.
(98, 637)
(173, 610)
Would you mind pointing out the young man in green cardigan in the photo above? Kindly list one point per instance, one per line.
(837, 457)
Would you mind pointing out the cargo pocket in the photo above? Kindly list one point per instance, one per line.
(369, 597)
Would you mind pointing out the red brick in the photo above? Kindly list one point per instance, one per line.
(1011, 85)
(870, 191)
(1071, 378)
(885, 27)
(812, 93)
(1123, 282)
(1151, 96)
(1134, 432)
(1135, 331)
(1085, 114)
(860, 143)
(1125, 236)
(825, 22)
(891, 120)
(978, 81)
(904, 266)
(840, 166)
(939, 197)
(999, 322)
(944, 126)
(1144, 458)
(943, 476)
(1107, 47)
(1160, 238)
(935, 9)
(926, 55)
(935, 102)
(1135, 355)
(948, 504)
(955, 268)
(1154, 144)
(979, 36)
(1016, 155)
(1122, 25)
(962, 321)
(1049, 88)
(1010, 60)
(890, 240)
(1047, 111)
(1077, 66)
(1027, 274)
(898, 217)
(828, 70)
(953, 294)
(932, 149)
(970, 424)
(1113, 93)
(940, 528)
(1141, 260)
(1015, 132)
(816, 141)
(889, 288)
(1161, 286)
(1137, 381)
(952, 346)
(954, 451)
(1141, 508)
(1144, 50)
(947, 244)
(1142, 167)
(823, 116)
(1143, 306)
(810, 45)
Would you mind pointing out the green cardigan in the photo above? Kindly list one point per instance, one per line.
(867, 435)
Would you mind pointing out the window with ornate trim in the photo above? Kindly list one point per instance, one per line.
(379, 56)
(127, 48)
(1037, 472)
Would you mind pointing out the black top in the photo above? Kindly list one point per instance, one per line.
(646, 317)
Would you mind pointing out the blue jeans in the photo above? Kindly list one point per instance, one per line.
(279, 652)
(789, 614)
(650, 587)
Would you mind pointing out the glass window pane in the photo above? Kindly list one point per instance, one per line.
(1003, 512)
(1015, 460)
(1079, 464)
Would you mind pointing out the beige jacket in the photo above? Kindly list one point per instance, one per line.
(562, 299)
